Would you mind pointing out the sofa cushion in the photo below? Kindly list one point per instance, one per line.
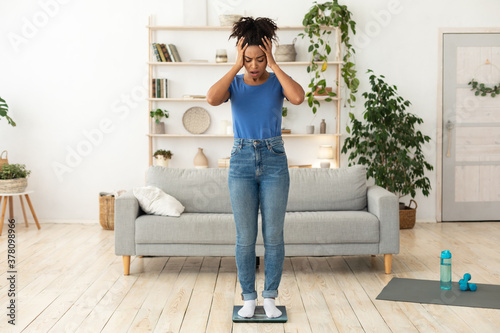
(154, 201)
(327, 189)
(300, 228)
(199, 190)
(206, 190)
(190, 228)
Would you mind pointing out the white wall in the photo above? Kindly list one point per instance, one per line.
(74, 74)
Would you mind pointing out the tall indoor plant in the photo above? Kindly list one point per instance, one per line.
(317, 27)
(388, 142)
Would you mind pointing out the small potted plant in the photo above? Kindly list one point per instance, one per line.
(389, 144)
(13, 178)
(158, 125)
(4, 108)
(162, 156)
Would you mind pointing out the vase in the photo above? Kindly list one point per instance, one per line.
(322, 127)
(200, 160)
(158, 128)
(310, 129)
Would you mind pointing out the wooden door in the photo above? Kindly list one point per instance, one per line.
(471, 128)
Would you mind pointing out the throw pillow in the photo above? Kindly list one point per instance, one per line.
(154, 201)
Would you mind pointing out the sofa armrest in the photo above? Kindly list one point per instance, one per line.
(384, 205)
(126, 212)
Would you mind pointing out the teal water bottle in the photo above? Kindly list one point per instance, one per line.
(446, 269)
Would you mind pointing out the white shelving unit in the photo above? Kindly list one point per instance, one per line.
(154, 103)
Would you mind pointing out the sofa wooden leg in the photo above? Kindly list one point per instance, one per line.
(126, 265)
(388, 263)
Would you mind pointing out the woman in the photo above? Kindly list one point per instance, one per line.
(258, 171)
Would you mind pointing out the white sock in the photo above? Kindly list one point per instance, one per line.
(271, 310)
(248, 309)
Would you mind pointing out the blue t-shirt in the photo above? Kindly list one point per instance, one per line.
(256, 109)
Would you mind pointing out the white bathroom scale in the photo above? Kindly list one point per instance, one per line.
(260, 315)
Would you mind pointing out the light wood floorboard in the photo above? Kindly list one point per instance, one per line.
(70, 280)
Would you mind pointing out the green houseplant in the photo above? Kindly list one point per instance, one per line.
(284, 113)
(388, 142)
(162, 156)
(13, 178)
(317, 24)
(158, 125)
(4, 108)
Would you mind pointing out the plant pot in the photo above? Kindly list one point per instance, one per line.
(407, 216)
(17, 185)
(158, 128)
(161, 161)
(310, 129)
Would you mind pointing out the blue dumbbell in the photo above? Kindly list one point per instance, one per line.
(465, 285)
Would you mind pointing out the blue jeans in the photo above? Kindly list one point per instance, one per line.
(258, 177)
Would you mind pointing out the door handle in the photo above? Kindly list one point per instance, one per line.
(449, 127)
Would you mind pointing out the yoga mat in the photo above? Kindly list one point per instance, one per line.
(427, 291)
(259, 315)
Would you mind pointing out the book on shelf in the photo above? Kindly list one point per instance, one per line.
(168, 57)
(161, 53)
(159, 88)
(172, 50)
(156, 52)
(223, 162)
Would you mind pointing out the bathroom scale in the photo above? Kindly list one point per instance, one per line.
(260, 315)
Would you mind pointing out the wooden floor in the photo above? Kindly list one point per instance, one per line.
(69, 280)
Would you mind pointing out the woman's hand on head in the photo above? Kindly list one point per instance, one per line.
(268, 50)
(240, 48)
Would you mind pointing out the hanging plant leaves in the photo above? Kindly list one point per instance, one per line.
(482, 89)
(317, 23)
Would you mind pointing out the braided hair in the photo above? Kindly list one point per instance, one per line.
(254, 30)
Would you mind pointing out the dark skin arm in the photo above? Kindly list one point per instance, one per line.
(292, 90)
(219, 92)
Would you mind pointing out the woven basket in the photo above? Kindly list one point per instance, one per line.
(17, 185)
(285, 52)
(407, 216)
(107, 212)
(4, 161)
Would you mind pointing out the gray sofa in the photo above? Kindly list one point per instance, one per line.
(330, 212)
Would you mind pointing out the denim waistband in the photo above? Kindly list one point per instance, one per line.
(258, 142)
